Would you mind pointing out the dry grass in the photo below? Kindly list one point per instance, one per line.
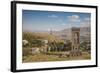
(46, 58)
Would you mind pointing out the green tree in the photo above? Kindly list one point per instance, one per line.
(85, 46)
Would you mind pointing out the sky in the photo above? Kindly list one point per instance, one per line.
(33, 20)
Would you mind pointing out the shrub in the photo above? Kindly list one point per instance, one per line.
(26, 51)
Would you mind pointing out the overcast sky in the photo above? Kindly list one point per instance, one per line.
(45, 20)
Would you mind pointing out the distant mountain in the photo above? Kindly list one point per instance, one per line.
(63, 34)
(66, 33)
(85, 34)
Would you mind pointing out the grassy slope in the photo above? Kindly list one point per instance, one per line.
(46, 58)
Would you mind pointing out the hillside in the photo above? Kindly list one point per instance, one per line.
(85, 34)
(40, 35)
(64, 34)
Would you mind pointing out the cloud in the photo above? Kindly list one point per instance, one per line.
(52, 16)
(63, 24)
(74, 18)
(87, 19)
(60, 20)
(85, 24)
